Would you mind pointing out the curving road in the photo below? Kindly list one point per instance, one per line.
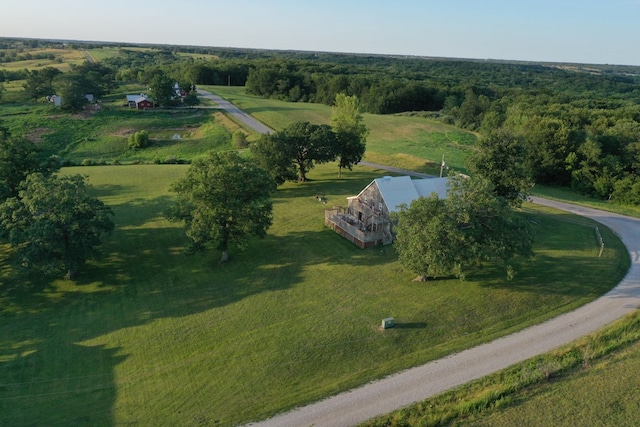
(416, 384)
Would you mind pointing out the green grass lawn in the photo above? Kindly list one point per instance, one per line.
(408, 142)
(605, 393)
(102, 136)
(591, 381)
(151, 336)
(403, 141)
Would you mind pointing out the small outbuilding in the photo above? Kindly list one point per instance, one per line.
(144, 103)
(366, 220)
(141, 102)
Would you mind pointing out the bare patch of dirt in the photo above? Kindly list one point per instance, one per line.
(124, 132)
(36, 134)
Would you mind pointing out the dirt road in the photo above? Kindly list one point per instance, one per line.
(236, 112)
(412, 385)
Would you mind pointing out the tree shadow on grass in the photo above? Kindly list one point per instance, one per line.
(144, 275)
(547, 275)
(39, 387)
(270, 108)
(50, 376)
(329, 187)
(108, 190)
(410, 325)
(139, 211)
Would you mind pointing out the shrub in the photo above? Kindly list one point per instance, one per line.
(240, 139)
(171, 160)
(139, 140)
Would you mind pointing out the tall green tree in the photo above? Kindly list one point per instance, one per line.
(161, 89)
(99, 78)
(551, 141)
(72, 88)
(40, 83)
(350, 131)
(223, 199)
(19, 158)
(298, 147)
(437, 237)
(54, 224)
(504, 159)
(275, 155)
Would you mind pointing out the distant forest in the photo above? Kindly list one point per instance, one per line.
(581, 123)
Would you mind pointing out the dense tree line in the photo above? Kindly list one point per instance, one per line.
(580, 124)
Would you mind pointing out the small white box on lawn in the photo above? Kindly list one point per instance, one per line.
(389, 322)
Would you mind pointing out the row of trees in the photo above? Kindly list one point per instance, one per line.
(592, 147)
(581, 130)
(89, 78)
(225, 198)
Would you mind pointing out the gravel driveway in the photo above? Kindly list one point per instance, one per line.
(393, 392)
(236, 112)
(416, 384)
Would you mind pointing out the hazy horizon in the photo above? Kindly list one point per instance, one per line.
(561, 31)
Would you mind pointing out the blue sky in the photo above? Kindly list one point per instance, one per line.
(586, 31)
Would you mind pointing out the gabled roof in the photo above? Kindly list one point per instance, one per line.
(134, 98)
(399, 190)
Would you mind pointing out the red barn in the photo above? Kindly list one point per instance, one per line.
(143, 103)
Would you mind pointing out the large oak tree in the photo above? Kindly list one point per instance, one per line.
(20, 157)
(439, 237)
(290, 153)
(223, 199)
(54, 224)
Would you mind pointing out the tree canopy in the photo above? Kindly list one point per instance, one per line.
(437, 237)
(39, 83)
(18, 158)
(351, 133)
(223, 199)
(53, 223)
(290, 153)
(161, 89)
(504, 160)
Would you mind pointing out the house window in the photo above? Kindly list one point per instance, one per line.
(380, 205)
(359, 216)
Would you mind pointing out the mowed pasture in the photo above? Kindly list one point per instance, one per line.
(151, 336)
(404, 141)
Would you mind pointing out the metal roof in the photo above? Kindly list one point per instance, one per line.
(402, 190)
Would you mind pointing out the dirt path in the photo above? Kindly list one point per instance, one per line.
(412, 385)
